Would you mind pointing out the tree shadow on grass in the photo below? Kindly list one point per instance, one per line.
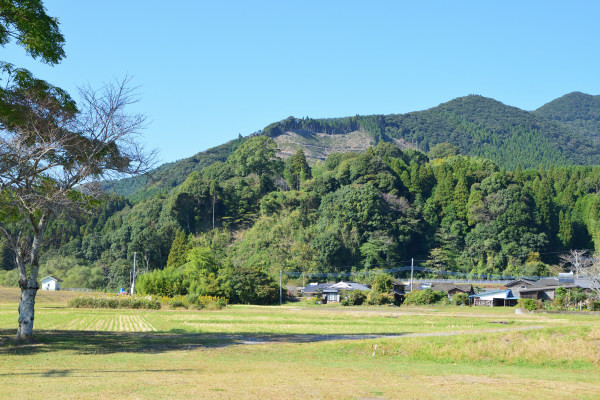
(91, 342)
(79, 372)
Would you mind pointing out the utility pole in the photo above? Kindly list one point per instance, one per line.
(133, 275)
(412, 268)
(280, 287)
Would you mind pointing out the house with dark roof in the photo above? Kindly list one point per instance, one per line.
(331, 292)
(451, 289)
(523, 284)
(543, 292)
(398, 291)
(586, 284)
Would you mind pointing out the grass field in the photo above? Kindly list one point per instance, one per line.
(294, 351)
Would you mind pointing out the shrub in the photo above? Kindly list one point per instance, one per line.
(176, 301)
(460, 299)
(382, 283)
(378, 299)
(423, 297)
(354, 298)
(313, 300)
(529, 304)
(115, 301)
(594, 305)
(206, 302)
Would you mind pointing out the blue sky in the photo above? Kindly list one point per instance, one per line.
(210, 70)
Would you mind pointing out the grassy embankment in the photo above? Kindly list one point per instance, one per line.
(203, 354)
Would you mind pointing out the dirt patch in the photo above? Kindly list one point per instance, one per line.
(317, 146)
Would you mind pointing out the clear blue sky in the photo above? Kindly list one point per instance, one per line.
(210, 70)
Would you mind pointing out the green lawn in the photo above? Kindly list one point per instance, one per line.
(294, 352)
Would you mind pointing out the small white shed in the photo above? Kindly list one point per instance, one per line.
(51, 283)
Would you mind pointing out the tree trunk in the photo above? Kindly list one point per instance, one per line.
(29, 290)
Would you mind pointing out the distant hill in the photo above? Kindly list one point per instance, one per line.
(577, 110)
(565, 131)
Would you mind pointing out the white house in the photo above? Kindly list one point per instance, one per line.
(330, 293)
(51, 283)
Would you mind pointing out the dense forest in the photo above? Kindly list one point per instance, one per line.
(232, 225)
(482, 127)
(577, 110)
(563, 132)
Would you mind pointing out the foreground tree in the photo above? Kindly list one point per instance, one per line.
(28, 23)
(51, 155)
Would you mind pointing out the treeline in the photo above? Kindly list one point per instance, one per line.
(230, 227)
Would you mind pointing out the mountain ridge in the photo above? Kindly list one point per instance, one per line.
(557, 133)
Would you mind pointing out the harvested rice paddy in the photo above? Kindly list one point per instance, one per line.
(299, 351)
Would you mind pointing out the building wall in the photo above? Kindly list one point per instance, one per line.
(51, 285)
(531, 295)
(333, 297)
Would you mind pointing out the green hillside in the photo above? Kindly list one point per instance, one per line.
(563, 132)
(479, 126)
(577, 110)
(229, 228)
(169, 175)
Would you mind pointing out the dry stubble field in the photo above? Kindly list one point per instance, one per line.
(298, 352)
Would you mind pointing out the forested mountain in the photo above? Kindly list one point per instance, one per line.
(231, 226)
(578, 110)
(170, 175)
(225, 221)
(479, 126)
(565, 131)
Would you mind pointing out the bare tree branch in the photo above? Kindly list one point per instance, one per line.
(52, 156)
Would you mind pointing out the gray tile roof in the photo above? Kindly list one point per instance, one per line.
(316, 288)
(584, 283)
(447, 287)
(529, 282)
(543, 288)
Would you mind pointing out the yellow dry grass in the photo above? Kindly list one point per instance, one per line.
(115, 353)
(309, 371)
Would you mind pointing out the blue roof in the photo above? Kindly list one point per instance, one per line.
(495, 291)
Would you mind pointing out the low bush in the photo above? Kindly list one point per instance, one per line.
(175, 301)
(530, 304)
(378, 299)
(460, 299)
(424, 297)
(313, 300)
(115, 301)
(353, 298)
(594, 305)
(206, 302)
